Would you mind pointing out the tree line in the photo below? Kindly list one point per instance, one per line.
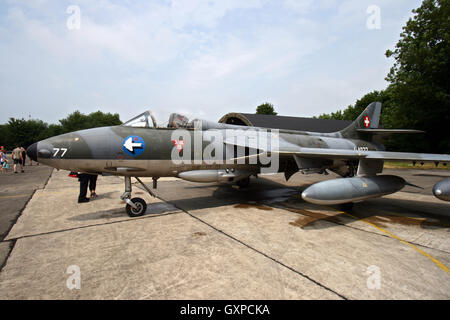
(21, 132)
(418, 94)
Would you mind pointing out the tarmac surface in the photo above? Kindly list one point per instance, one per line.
(212, 241)
(15, 192)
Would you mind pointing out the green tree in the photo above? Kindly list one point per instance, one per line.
(353, 111)
(3, 133)
(100, 119)
(418, 96)
(53, 130)
(266, 108)
(25, 132)
(20, 132)
(74, 121)
(79, 121)
(420, 81)
(338, 115)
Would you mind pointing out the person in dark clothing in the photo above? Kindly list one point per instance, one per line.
(85, 181)
(93, 185)
(24, 155)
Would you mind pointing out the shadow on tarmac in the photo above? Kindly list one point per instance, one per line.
(262, 193)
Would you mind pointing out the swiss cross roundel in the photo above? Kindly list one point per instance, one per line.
(366, 121)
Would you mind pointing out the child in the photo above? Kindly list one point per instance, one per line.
(3, 160)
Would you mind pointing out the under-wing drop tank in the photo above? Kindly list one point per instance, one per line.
(441, 190)
(346, 190)
(228, 175)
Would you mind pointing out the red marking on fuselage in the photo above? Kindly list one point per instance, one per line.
(178, 144)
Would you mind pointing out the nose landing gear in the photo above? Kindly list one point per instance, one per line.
(135, 207)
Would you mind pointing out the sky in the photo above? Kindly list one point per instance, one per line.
(201, 58)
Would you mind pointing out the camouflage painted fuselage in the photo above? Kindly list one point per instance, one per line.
(101, 150)
(202, 151)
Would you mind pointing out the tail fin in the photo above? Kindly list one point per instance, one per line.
(368, 119)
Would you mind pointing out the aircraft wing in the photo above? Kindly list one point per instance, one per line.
(389, 131)
(369, 155)
(288, 149)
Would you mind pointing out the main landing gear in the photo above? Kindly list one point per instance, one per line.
(135, 207)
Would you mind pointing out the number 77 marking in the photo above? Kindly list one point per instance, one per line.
(57, 150)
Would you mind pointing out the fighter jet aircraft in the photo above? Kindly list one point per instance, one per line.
(203, 151)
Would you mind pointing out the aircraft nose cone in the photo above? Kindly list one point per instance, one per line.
(32, 151)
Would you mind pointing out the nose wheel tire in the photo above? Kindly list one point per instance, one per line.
(141, 207)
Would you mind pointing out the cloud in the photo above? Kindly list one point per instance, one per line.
(205, 13)
(309, 6)
(203, 57)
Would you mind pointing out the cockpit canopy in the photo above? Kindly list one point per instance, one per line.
(144, 120)
(147, 120)
(176, 120)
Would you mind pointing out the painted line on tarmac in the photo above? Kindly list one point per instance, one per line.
(443, 224)
(427, 255)
(310, 213)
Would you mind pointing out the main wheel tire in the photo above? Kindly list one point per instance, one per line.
(243, 183)
(140, 210)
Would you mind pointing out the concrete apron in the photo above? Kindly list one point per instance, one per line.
(287, 250)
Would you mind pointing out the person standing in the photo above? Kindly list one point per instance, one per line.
(3, 160)
(85, 181)
(17, 158)
(24, 156)
(93, 185)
